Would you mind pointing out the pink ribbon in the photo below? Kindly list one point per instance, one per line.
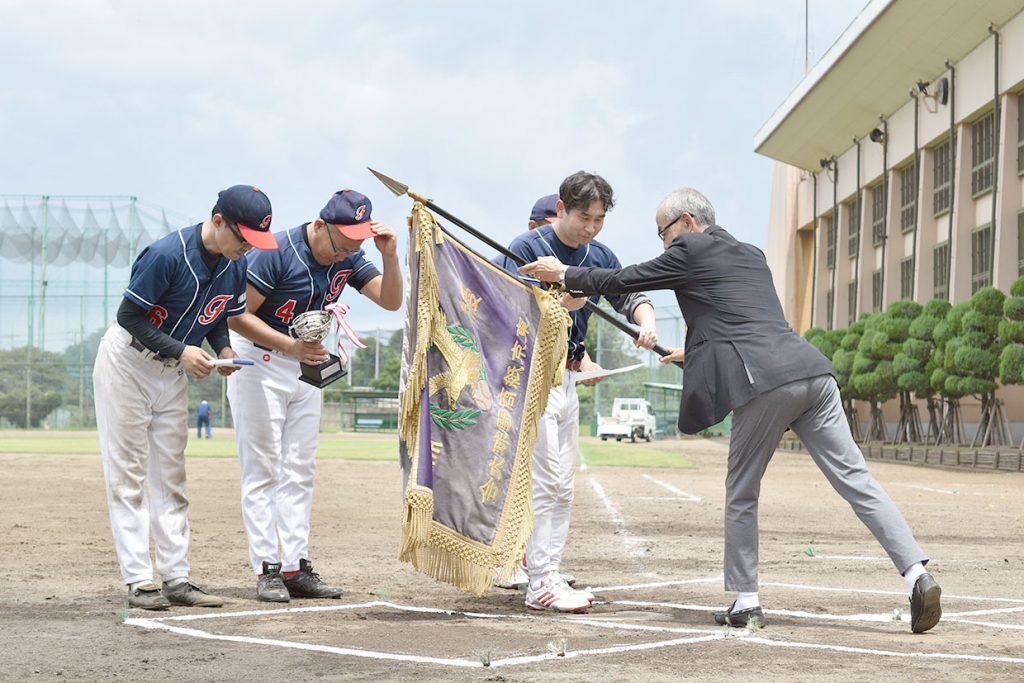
(338, 310)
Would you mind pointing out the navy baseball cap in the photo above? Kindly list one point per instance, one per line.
(349, 211)
(247, 207)
(544, 210)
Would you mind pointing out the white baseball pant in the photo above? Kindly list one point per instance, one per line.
(554, 474)
(142, 414)
(277, 427)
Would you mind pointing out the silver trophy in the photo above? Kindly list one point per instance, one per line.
(313, 327)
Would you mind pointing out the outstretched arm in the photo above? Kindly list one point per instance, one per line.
(667, 271)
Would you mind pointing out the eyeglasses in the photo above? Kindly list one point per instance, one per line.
(233, 227)
(661, 231)
(342, 251)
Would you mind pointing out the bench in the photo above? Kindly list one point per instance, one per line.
(368, 423)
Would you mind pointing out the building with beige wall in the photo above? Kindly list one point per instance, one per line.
(900, 169)
(848, 215)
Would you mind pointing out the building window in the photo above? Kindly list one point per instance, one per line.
(1020, 134)
(851, 295)
(942, 177)
(876, 291)
(981, 257)
(907, 278)
(908, 198)
(940, 269)
(853, 228)
(829, 307)
(830, 242)
(878, 214)
(982, 154)
(1020, 243)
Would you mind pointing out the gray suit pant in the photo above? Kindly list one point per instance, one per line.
(813, 409)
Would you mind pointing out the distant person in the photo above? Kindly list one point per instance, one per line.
(182, 290)
(203, 418)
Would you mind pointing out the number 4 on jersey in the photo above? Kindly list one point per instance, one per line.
(285, 311)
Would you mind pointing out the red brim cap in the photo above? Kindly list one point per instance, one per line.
(359, 231)
(261, 239)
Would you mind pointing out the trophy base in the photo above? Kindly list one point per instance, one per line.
(325, 373)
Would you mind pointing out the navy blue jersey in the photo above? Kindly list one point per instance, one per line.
(293, 282)
(544, 242)
(181, 295)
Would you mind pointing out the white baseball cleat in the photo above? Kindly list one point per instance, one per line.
(518, 578)
(554, 594)
(584, 592)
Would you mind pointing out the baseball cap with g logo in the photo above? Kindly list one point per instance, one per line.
(247, 207)
(349, 211)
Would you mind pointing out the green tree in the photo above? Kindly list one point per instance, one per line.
(945, 337)
(30, 371)
(971, 361)
(902, 315)
(1011, 333)
(872, 374)
(916, 361)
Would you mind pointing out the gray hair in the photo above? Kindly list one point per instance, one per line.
(688, 200)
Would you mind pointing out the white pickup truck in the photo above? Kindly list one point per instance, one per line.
(632, 418)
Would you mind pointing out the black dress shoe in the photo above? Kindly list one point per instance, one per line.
(740, 619)
(308, 584)
(925, 610)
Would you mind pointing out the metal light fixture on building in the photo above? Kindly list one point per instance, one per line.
(933, 99)
(877, 135)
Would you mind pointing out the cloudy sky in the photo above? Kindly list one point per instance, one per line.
(482, 106)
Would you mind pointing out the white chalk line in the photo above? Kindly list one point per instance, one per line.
(632, 542)
(696, 635)
(704, 636)
(877, 618)
(984, 612)
(658, 584)
(758, 640)
(989, 624)
(945, 596)
(669, 487)
(862, 558)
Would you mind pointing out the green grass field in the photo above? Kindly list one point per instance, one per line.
(339, 446)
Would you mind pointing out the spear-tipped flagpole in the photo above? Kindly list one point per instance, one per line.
(400, 188)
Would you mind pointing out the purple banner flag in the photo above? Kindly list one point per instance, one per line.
(480, 354)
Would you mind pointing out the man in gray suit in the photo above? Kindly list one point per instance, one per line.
(742, 356)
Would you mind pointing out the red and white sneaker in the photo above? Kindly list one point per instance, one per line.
(582, 591)
(556, 595)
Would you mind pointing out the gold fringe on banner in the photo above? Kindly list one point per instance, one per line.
(431, 547)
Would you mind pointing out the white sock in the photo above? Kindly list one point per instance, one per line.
(147, 584)
(912, 575)
(746, 601)
(176, 582)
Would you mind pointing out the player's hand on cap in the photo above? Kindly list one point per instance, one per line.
(195, 361)
(227, 352)
(310, 353)
(384, 238)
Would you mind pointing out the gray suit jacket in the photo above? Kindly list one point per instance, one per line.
(738, 343)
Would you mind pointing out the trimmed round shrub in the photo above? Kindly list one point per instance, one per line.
(1011, 365)
(977, 362)
(988, 300)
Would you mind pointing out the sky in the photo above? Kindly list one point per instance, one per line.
(481, 106)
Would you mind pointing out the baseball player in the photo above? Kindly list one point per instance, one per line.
(183, 288)
(583, 201)
(277, 416)
(544, 212)
(203, 419)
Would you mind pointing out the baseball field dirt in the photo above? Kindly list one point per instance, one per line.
(648, 541)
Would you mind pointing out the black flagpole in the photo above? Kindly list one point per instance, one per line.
(399, 189)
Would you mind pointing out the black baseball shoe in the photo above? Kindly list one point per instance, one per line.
(925, 610)
(308, 584)
(270, 584)
(190, 595)
(751, 615)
